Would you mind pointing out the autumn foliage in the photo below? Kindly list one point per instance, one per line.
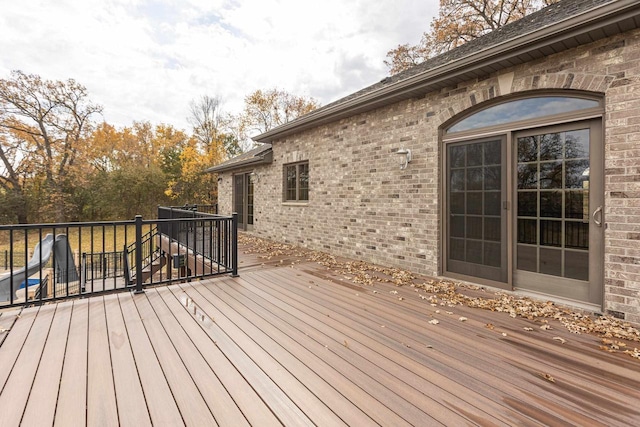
(458, 22)
(59, 162)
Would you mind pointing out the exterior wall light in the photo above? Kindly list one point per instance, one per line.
(405, 157)
(254, 176)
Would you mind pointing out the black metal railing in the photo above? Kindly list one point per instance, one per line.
(45, 262)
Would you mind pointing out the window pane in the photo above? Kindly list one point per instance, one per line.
(575, 265)
(551, 175)
(474, 155)
(528, 231)
(527, 258)
(457, 226)
(551, 233)
(456, 249)
(492, 178)
(492, 153)
(492, 202)
(551, 204)
(527, 203)
(551, 146)
(474, 227)
(576, 174)
(474, 251)
(290, 190)
(456, 156)
(577, 144)
(492, 229)
(474, 179)
(474, 203)
(492, 255)
(576, 205)
(303, 181)
(551, 261)
(528, 149)
(528, 176)
(457, 180)
(522, 109)
(457, 203)
(576, 234)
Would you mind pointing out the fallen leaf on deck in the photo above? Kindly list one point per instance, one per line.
(462, 319)
(434, 321)
(562, 340)
(527, 329)
(548, 378)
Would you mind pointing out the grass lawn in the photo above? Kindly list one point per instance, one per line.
(107, 238)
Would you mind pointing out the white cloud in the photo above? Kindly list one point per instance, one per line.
(146, 59)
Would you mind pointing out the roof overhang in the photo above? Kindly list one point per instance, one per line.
(594, 24)
(264, 157)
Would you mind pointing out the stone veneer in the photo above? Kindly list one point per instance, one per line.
(361, 205)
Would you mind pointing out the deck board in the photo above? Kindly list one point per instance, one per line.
(386, 365)
(345, 377)
(299, 361)
(161, 404)
(72, 392)
(128, 389)
(253, 408)
(287, 344)
(212, 390)
(253, 361)
(101, 397)
(24, 370)
(41, 406)
(7, 319)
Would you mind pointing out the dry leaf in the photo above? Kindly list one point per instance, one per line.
(562, 340)
(345, 343)
(527, 328)
(504, 334)
(489, 326)
(548, 378)
(545, 326)
(434, 321)
(462, 319)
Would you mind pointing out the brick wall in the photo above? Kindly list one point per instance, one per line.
(361, 204)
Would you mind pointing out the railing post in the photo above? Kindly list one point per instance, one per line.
(234, 245)
(139, 289)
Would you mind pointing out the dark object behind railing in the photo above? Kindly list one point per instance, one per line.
(87, 258)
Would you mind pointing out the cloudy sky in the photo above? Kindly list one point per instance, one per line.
(146, 59)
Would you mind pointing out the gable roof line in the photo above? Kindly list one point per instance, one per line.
(591, 19)
(256, 156)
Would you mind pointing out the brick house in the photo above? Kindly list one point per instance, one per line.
(512, 161)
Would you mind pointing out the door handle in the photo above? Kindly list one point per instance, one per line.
(597, 216)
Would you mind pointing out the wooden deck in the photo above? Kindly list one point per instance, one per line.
(287, 346)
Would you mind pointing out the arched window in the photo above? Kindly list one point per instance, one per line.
(522, 110)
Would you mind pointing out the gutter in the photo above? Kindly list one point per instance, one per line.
(589, 20)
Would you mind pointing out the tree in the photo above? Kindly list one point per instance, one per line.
(264, 110)
(211, 128)
(43, 125)
(458, 22)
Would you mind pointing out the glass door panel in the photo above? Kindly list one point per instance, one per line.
(239, 199)
(476, 223)
(555, 194)
(552, 200)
